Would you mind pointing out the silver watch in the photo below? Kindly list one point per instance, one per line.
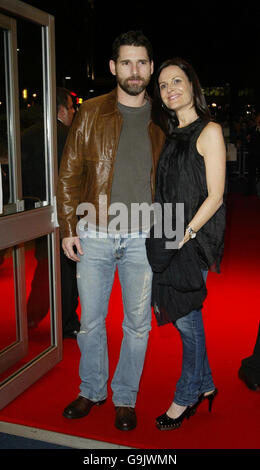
(191, 232)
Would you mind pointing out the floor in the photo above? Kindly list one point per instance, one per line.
(53, 438)
(64, 440)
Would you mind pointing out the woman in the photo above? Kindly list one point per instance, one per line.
(191, 171)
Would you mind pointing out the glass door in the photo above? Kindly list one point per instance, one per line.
(30, 311)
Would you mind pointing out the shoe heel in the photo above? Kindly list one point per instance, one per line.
(211, 398)
(210, 403)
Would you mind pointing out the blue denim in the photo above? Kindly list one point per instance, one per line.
(196, 377)
(95, 275)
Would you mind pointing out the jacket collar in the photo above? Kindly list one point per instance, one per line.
(109, 105)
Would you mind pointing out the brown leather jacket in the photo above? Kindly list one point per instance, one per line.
(88, 159)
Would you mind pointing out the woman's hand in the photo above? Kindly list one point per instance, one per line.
(185, 239)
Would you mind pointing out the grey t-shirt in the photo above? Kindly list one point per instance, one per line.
(131, 179)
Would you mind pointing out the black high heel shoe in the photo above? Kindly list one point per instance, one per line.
(165, 423)
(210, 397)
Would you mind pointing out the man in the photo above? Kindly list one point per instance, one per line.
(34, 188)
(69, 289)
(65, 115)
(110, 152)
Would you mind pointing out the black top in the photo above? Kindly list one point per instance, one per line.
(33, 158)
(178, 286)
(191, 189)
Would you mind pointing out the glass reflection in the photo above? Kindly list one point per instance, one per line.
(37, 295)
(30, 74)
(8, 333)
(38, 304)
(37, 285)
(5, 197)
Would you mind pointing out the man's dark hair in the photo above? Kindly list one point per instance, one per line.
(131, 38)
(62, 97)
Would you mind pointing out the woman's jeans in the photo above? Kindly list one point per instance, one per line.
(95, 275)
(196, 375)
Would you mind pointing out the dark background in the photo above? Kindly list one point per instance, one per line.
(221, 40)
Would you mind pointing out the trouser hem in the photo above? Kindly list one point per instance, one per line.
(92, 399)
(123, 405)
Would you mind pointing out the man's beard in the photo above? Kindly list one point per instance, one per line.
(133, 89)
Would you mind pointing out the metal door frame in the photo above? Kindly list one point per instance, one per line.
(25, 226)
(19, 348)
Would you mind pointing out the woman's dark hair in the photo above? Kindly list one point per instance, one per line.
(166, 118)
(131, 38)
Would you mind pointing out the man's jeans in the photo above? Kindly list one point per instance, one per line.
(95, 275)
(196, 375)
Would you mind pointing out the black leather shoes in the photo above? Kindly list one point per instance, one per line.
(210, 397)
(80, 407)
(249, 383)
(165, 423)
(125, 418)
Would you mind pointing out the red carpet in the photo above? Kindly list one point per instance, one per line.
(231, 316)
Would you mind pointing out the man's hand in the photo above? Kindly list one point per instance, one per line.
(68, 243)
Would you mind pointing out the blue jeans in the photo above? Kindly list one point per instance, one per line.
(196, 375)
(95, 275)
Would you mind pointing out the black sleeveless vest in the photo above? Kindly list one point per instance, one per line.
(178, 286)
